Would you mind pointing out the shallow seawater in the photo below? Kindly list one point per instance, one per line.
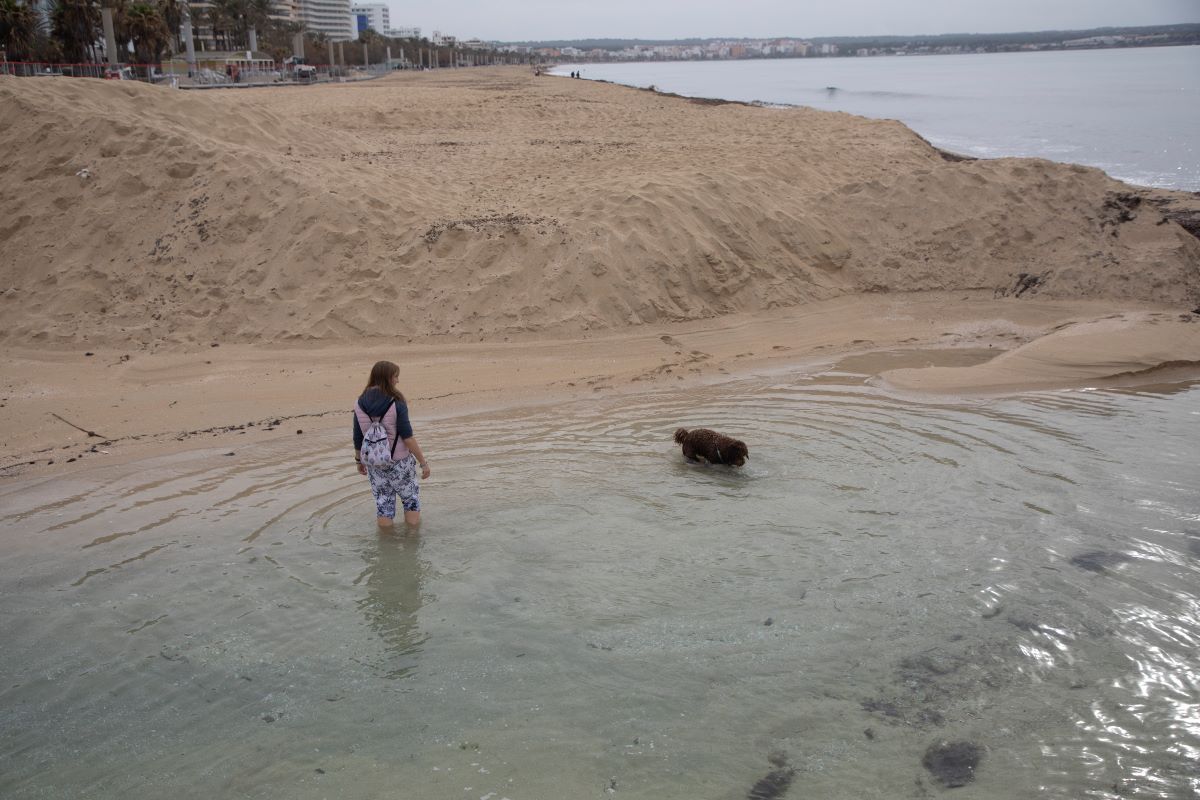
(585, 615)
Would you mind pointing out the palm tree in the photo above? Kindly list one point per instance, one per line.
(218, 23)
(76, 25)
(172, 15)
(145, 27)
(258, 15)
(20, 26)
(231, 14)
(276, 40)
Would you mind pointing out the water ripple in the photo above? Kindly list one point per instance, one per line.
(1018, 573)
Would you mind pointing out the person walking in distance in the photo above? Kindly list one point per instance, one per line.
(385, 449)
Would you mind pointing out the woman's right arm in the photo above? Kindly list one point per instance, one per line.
(358, 439)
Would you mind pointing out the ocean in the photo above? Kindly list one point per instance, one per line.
(584, 614)
(1134, 113)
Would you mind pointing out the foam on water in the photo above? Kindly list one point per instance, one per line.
(584, 612)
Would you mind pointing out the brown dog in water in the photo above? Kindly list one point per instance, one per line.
(713, 447)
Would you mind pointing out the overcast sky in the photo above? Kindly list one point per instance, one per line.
(514, 20)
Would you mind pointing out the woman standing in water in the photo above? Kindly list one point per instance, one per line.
(381, 402)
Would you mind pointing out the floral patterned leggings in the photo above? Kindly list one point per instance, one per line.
(398, 478)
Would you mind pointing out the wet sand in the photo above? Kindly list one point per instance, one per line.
(146, 403)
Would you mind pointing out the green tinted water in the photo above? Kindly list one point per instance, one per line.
(586, 615)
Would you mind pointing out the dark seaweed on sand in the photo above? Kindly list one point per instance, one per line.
(773, 785)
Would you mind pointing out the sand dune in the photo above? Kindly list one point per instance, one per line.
(1117, 349)
(487, 205)
(513, 239)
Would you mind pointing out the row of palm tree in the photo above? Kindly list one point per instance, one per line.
(73, 28)
(73, 31)
(231, 20)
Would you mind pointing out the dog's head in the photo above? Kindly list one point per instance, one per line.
(737, 454)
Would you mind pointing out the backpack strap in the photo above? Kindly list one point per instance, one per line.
(360, 416)
(396, 439)
(358, 407)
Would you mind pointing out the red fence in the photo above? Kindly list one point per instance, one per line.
(205, 73)
(140, 72)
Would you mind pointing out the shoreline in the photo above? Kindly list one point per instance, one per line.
(513, 241)
(947, 155)
(156, 403)
(959, 144)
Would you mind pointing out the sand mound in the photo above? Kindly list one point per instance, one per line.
(492, 204)
(1119, 348)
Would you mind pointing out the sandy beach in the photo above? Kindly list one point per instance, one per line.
(941, 549)
(179, 265)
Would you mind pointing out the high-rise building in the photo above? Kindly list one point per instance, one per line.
(285, 10)
(375, 16)
(330, 17)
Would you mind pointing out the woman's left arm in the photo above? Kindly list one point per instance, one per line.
(415, 449)
(405, 432)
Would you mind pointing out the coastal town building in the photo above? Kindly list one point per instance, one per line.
(940, 44)
(373, 16)
(409, 32)
(330, 17)
(716, 49)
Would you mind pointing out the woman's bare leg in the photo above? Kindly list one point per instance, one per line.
(386, 523)
(412, 518)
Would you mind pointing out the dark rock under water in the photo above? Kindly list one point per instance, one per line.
(1099, 560)
(953, 763)
(1193, 540)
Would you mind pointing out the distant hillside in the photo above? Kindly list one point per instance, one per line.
(1190, 32)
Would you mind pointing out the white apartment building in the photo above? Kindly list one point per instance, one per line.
(404, 33)
(375, 16)
(330, 17)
